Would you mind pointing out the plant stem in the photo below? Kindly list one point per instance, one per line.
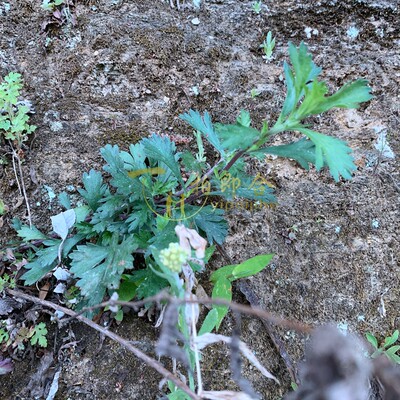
(21, 183)
(196, 354)
(234, 159)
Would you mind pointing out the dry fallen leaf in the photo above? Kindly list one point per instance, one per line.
(211, 338)
(189, 238)
(44, 291)
(225, 395)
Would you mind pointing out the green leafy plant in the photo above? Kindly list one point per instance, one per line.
(14, 114)
(38, 335)
(14, 126)
(254, 93)
(6, 281)
(268, 46)
(50, 5)
(173, 262)
(4, 336)
(222, 280)
(110, 243)
(387, 348)
(3, 208)
(147, 226)
(18, 336)
(257, 6)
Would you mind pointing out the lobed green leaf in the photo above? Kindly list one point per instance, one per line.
(333, 152)
(205, 126)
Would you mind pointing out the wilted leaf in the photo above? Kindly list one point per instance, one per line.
(190, 239)
(63, 222)
(225, 395)
(211, 338)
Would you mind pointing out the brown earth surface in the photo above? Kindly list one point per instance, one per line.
(127, 69)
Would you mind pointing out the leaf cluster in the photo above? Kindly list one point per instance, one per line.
(16, 338)
(387, 348)
(14, 114)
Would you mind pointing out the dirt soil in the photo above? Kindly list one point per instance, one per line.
(129, 68)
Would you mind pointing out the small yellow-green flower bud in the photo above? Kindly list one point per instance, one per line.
(174, 257)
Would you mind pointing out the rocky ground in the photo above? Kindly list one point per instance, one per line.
(119, 70)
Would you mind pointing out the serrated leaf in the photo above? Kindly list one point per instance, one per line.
(251, 266)
(314, 95)
(190, 163)
(222, 290)
(100, 267)
(244, 118)
(43, 264)
(304, 71)
(106, 216)
(205, 126)
(81, 213)
(162, 239)
(140, 214)
(212, 222)
(257, 191)
(135, 159)
(209, 322)
(301, 82)
(30, 233)
(94, 190)
(35, 272)
(120, 178)
(351, 95)
(304, 68)
(162, 149)
(236, 137)
(333, 152)
(63, 222)
(46, 258)
(302, 151)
